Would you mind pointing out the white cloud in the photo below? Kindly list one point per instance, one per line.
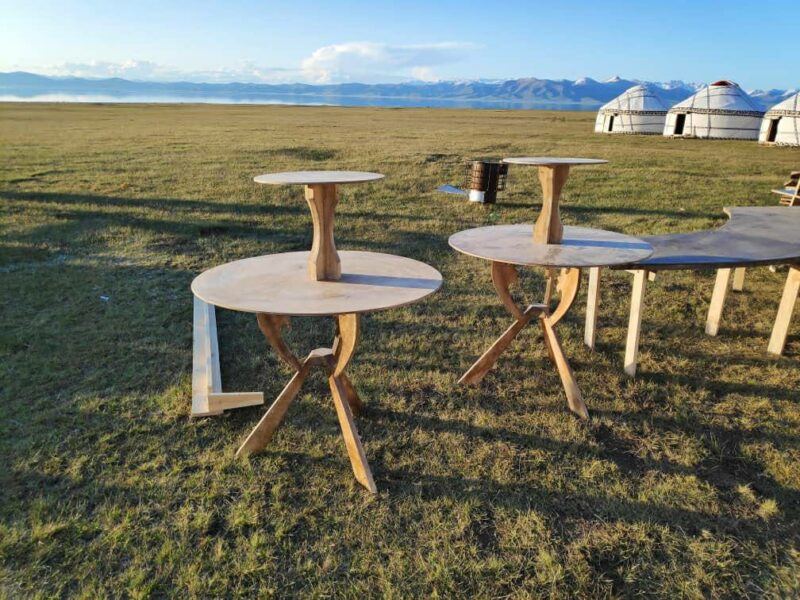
(424, 74)
(367, 62)
(143, 70)
(372, 62)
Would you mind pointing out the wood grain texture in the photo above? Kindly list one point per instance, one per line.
(556, 352)
(348, 331)
(592, 307)
(316, 177)
(635, 322)
(355, 450)
(208, 399)
(568, 284)
(475, 374)
(780, 330)
(580, 247)
(503, 277)
(271, 326)
(278, 284)
(548, 228)
(323, 261)
(227, 400)
(262, 433)
(721, 286)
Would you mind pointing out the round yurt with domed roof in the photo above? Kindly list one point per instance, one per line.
(781, 124)
(638, 110)
(721, 110)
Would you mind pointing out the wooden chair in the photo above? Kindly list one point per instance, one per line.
(790, 192)
(789, 196)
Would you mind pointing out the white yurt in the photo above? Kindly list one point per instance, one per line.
(721, 110)
(637, 110)
(781, 124)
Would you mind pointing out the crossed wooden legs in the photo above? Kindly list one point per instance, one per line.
(503, 276)
(345, 399)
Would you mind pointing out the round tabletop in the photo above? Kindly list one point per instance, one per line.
(580, 247)
(316, 177)
(279, 284)
(552, 161)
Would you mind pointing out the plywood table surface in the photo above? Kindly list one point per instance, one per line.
(579, 247)
(317, 177)
(278, 284)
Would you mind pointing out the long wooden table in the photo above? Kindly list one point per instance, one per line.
(754, 236)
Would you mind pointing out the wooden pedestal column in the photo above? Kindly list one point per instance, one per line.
(323, 263)
(548, 228)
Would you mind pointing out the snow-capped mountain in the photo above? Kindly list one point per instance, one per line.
(583, 93)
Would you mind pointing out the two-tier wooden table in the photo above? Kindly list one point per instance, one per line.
(322, 282)
(550, 245)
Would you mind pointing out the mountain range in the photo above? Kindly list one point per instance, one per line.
(582, 94)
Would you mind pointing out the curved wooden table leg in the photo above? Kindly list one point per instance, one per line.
(348, 331)
(477, 371)
(503, 276)
(345, 399)
(569, 282)
(270, 326)
(344, 396)
(262, 433)
(574, 396)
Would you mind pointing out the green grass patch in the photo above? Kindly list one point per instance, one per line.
(684, 484)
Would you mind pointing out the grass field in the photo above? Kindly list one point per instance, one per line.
(686, 482)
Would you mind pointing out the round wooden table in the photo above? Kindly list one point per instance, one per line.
(509, 246)
(322, 197)
(553, 174)
(322, 282)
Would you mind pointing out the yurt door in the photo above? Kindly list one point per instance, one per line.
(680, 122)
(610, 127)
(772, 132)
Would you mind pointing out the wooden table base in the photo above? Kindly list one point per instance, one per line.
(503, 276)
(345, 399)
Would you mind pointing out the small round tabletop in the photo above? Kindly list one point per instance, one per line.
(316, 177)
(580, 247)
(279, 284)
(552, 161)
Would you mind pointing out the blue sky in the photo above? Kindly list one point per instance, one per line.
(330, 41)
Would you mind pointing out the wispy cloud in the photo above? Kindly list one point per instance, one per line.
(367, 62)
(372, 61)
(143, 70)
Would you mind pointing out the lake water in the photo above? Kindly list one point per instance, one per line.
(297, 100)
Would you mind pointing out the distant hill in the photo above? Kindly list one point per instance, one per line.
(585, 93)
